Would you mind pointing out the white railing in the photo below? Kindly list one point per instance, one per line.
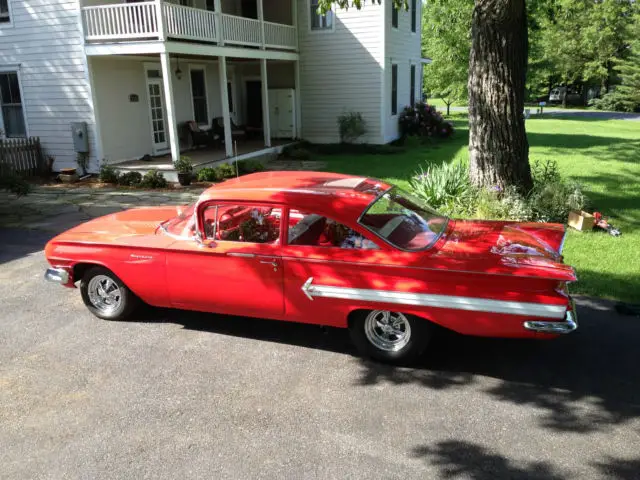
(121, 21)
(189, 23)
(131, 21)
(240, 30)
(279, 35)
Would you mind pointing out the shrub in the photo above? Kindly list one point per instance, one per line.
(225, 171)
(423, 120)
(14, 184)
(545, 172)
(153, 179)
(108, 174)
(443, 186)
(183, 165)
(130, 179)
(208, 174)
(356, 149)
(249, 166)
(351, 126)
(298, 153)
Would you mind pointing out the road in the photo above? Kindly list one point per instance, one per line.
(186, 395)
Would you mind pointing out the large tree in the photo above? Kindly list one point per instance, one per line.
(446, 39)
(498, 147)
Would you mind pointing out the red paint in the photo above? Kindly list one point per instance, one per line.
(486, 260)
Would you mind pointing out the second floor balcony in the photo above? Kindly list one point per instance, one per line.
(162, 20)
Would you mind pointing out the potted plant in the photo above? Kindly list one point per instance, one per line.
(184, 167)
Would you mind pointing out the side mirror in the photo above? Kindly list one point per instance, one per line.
(204, 242)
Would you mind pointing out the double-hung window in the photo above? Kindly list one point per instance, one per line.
(5, 13)
(394, 15)
(412, 87)
(319, 21)
(199, 95)
(394, 89)
(12, 119)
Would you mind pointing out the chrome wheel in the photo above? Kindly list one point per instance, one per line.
(104, 294)
(388, 331)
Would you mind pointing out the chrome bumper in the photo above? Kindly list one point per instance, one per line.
(567, 326)
(57, 275)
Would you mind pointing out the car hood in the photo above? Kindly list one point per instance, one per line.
(505, 246)
(129, 223)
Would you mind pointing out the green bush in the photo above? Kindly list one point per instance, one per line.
(130, 179)
(225, 171)
(356, 149)
(153, 179)
(298, 153)
(249, 166)
(208, 174)
(351, 126)
(183, 165)
(445, 187)
(12, 183)
(108, 174)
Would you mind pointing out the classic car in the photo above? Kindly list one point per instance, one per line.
(326, 249)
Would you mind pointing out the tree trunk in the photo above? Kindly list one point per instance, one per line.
(448, 108)
(498, 147)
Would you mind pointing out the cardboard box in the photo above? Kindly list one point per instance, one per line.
(581, 220)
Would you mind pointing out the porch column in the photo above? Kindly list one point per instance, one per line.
(224, 98)
(261, 19)
(266, 124)
(172, 127)
(162, 32)
(297, 100)
(217, 19)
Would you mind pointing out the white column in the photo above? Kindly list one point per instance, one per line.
(172, 126)
(217, 6)
(266, 124)
(224, 98)
(294, 18)
(297, 102)
(162, 32)
(261, 19)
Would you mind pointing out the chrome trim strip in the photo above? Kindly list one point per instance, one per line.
(57, 275)
(435, 300)
(568, 326)
(240, 254)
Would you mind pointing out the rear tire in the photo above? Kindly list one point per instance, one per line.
(390, 337)
(106, 296)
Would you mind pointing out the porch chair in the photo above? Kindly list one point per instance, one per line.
(200, 137)
(217, 127)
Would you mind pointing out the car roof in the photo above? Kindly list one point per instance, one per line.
(332, 194)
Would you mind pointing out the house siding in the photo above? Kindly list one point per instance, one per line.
(45, 43)
(403, 48)
(341, 71)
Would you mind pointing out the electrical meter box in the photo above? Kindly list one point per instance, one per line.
(80, 137)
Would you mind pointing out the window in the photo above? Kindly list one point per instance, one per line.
(394, 89)
(199, 95)
(309, 229)
(13, 122)
(210, 5)
(186, 3)
(404, 221)
(394, 15)
(230, 96)
(414, 16)
(5, 15)
(412, 87)
(182, 225)
(319, 21)
(243, 223)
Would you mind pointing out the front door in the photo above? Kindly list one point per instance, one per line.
(239, 272)
(157, 116)
(254, 103)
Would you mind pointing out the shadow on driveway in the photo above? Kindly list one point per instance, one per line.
(586, 381)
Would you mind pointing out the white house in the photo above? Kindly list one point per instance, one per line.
(135, 71)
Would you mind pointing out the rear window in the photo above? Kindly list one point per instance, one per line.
(404, 221)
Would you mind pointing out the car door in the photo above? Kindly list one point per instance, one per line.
(237, 268)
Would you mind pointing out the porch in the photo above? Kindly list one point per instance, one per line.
(222, 22)
(209, 157)
(214, 107)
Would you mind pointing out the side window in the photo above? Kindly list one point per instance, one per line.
(243, 223)
(5, 12)
(310, 229)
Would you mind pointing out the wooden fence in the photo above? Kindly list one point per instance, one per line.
(21, 155)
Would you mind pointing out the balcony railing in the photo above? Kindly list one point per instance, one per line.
(137, 21)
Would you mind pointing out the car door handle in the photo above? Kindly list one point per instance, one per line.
(240, 254)
(273, 263)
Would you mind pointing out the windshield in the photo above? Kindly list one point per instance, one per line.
(404, 221)
(183, 225)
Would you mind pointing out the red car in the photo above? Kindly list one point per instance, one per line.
(326, 249)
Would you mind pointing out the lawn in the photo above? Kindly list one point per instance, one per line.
(604, 156)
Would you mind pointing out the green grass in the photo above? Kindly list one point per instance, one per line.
(604, 156)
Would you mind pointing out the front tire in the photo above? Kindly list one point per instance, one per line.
(105, 295)
(390, 337)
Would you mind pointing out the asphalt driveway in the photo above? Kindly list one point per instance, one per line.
(186, 395)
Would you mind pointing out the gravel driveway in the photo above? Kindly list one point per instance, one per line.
(186, 395)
